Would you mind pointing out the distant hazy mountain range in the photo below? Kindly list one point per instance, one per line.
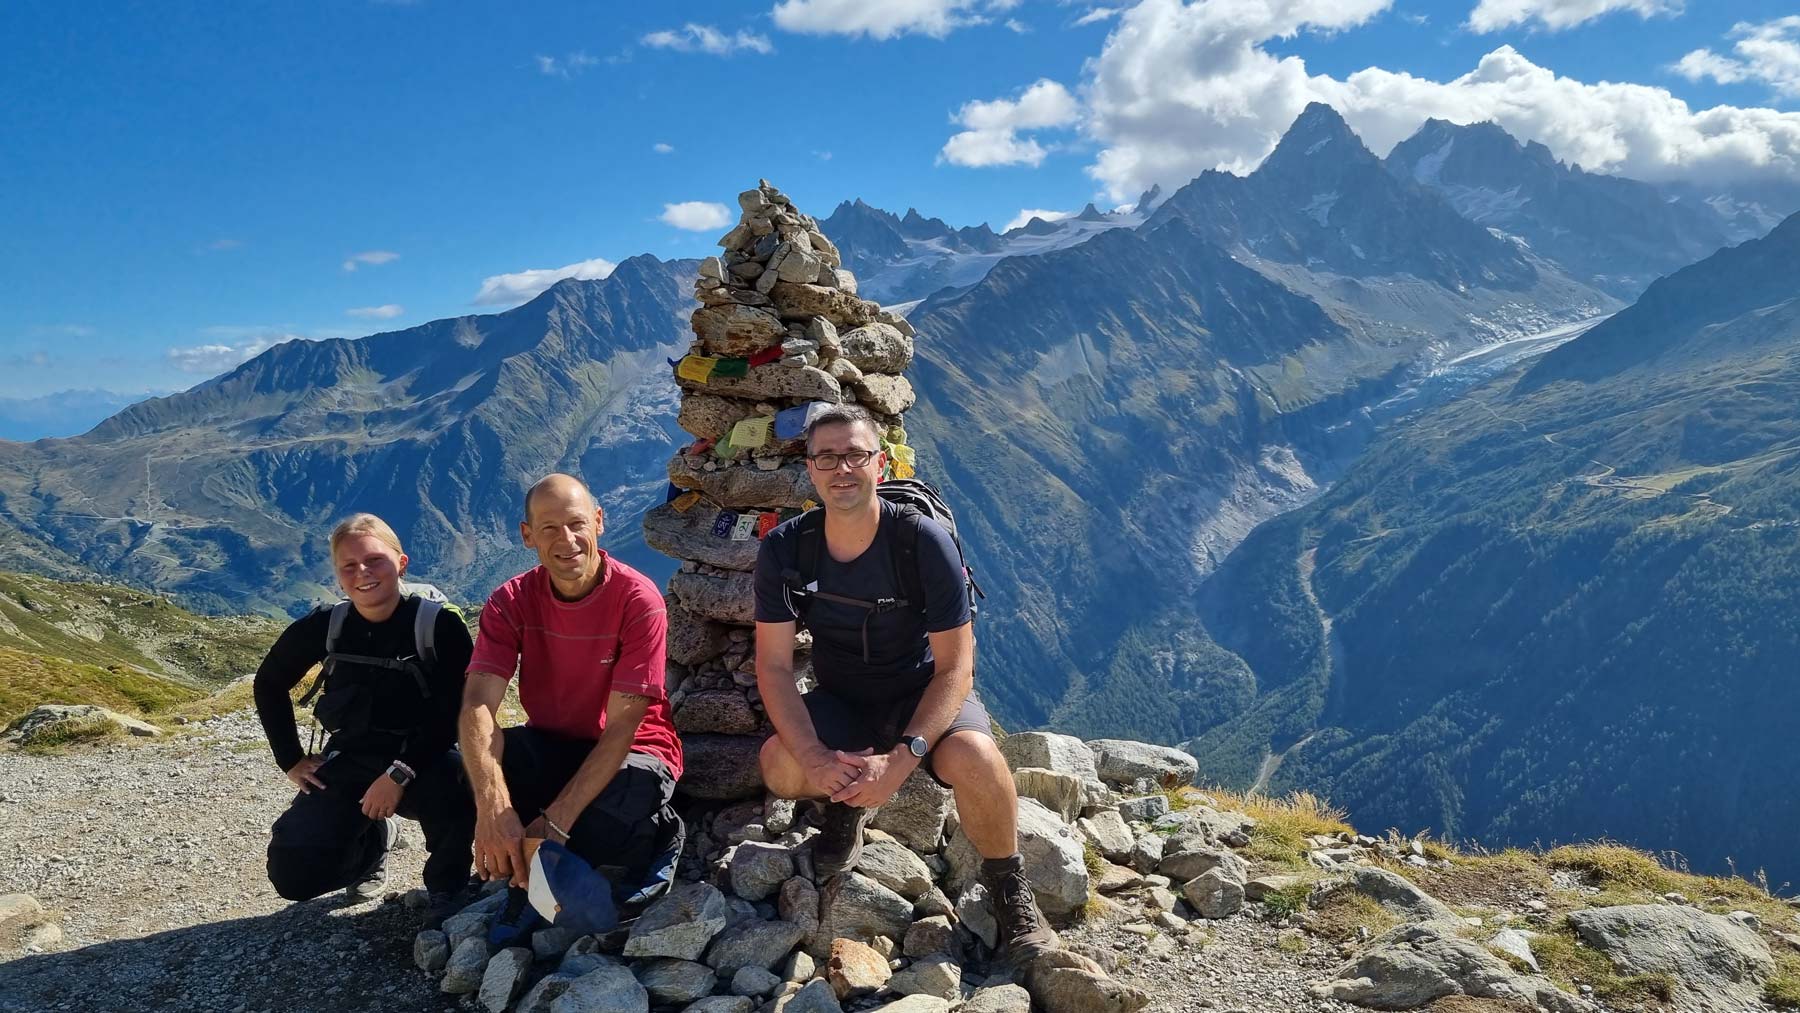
(1113, 402)
(64, 413)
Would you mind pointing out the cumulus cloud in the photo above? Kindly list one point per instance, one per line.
(663, 148)
(886, 19)
(1768, 53)
(513, 289)
(567, 66)
(386, 311)
(1025, 216)
(696, 215)
(370, 257)
(992, 129)
(1181, 87)
(1556, 15)
(693, 38)
(217, 357)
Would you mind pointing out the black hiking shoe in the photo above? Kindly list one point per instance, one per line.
(374, 880)
(840, 840)
(1023, 934)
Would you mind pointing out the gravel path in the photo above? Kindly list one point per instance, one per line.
(153, 853)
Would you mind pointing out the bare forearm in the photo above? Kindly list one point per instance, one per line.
(787, 712)
(482, 747)
(595, 773)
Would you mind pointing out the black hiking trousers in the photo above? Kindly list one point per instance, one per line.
(323, 842)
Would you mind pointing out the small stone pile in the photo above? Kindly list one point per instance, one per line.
(779, 331)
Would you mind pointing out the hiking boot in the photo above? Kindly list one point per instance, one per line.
(840, 839)
(1023, 933)
(515, 921)
(374, 880)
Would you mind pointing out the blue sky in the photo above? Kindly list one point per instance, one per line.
(181, 183)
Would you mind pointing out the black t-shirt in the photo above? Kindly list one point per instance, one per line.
(395, 701)
(900, 658)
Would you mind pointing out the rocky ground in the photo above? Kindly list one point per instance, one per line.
(146, 858)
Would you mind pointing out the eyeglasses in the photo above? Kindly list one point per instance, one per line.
(829, 461)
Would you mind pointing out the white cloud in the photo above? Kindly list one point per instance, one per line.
(1017, 27)
(1096, 15)
(387, 311)
(884, 19)
(1556, 15)
(513, 289)
(565, 67)
(370, 257)
(693, 38)
(696, 215)
(1025, 216)
(663, 148)
(1767, 52)
(1181, 87)
(991, 136)
(823, 156)
(212, 359)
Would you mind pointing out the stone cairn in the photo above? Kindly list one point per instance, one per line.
(779, 333)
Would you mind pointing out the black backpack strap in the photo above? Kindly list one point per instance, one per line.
(809, 541)
(903, 550)
(333, 630)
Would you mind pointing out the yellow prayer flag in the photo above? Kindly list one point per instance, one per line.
(752, 432)
(685, 502)
(697, 368)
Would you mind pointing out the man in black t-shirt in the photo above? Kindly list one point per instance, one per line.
(895, 685)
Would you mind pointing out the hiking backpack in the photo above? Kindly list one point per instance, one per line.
(431, 602)
(916, 499)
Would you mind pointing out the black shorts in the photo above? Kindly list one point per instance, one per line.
(843, 724)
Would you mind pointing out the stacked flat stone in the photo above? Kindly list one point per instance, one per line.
(780, 283)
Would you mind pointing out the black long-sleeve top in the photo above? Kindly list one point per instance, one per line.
(397, 702)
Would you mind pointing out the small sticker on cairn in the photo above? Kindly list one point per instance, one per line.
(779, 334)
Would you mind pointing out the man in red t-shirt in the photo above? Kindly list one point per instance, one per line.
(594, 766)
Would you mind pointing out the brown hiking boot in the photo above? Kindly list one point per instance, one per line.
(840, 839)
(1023, 933)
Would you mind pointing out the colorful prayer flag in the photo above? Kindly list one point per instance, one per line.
(752, 432)
(723, 524)
(766, 356)
(698, 368)
(732, 367)
(744, 528)
(765, 524)
(674, 493)
(685, 502)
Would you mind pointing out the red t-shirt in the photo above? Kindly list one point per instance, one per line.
(571, 654)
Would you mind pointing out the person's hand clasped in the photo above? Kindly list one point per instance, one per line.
(382, 798)
(305, 774)
(829, 771)
(881, 776)
(500, 847)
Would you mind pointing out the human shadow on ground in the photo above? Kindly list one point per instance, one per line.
(323, 955)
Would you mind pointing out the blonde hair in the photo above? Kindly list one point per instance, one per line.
(365, 524)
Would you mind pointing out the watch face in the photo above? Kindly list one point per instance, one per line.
(917, 745)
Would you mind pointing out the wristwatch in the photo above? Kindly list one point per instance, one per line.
(401, 774)
(916, 744)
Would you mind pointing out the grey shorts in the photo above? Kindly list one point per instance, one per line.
(844, 724)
